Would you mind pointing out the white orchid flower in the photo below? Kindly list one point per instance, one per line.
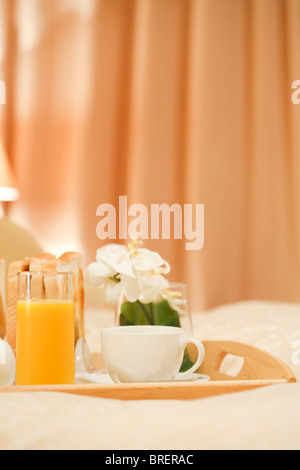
(117, 257)
(145, 287)
(135, 271)
(148, 283)
(152, 287)
(97, 273)
(145, 260)
(100, 284)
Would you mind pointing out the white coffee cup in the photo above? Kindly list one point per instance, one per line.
(146, 353)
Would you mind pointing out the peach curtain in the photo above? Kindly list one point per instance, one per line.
(165, 101)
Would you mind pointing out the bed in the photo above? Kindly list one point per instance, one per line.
(264, 418)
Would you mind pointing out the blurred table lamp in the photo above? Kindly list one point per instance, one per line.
(8, 190)
(15, 242)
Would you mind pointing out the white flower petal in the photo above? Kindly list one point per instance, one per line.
(152, 287)
(146, 260)
(113, 292)
(132, 288)
(96, 273)
(107, 252)
(118, 257)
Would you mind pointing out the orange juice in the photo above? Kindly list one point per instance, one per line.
(45, 342)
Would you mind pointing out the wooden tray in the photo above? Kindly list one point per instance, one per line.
(259, 369)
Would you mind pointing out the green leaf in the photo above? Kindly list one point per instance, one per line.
(165, 315)
(134, 313)
(186, 363)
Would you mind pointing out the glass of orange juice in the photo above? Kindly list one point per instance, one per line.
(45, 352)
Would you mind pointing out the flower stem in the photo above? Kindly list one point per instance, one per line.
(152, 314)
(115, 278)
(149, 319)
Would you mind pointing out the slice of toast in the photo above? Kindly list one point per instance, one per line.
(39, 265)
(2, 298)
(46, 263)
(69, 262)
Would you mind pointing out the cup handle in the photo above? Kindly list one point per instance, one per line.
(201, 354)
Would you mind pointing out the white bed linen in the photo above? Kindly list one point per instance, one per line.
(265, 418)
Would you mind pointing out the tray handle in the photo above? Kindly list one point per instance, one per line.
(257, 364)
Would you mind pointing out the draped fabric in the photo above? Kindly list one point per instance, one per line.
(163, 101)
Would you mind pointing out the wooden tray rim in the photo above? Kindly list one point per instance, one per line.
(170, 390)
(151, 390)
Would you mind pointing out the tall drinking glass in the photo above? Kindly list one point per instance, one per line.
(45, 329)
(178, 293)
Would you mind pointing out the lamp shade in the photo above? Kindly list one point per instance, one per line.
(8, 189)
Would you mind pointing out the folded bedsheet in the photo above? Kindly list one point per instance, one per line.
(265, 418)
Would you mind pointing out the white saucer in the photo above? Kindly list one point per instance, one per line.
(103, 378)
(195, 377)
(83, 359)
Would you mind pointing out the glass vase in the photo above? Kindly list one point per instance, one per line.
(171, 310)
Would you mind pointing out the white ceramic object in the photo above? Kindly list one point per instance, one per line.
(147, 353)
(103, 378)
(7, 364)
